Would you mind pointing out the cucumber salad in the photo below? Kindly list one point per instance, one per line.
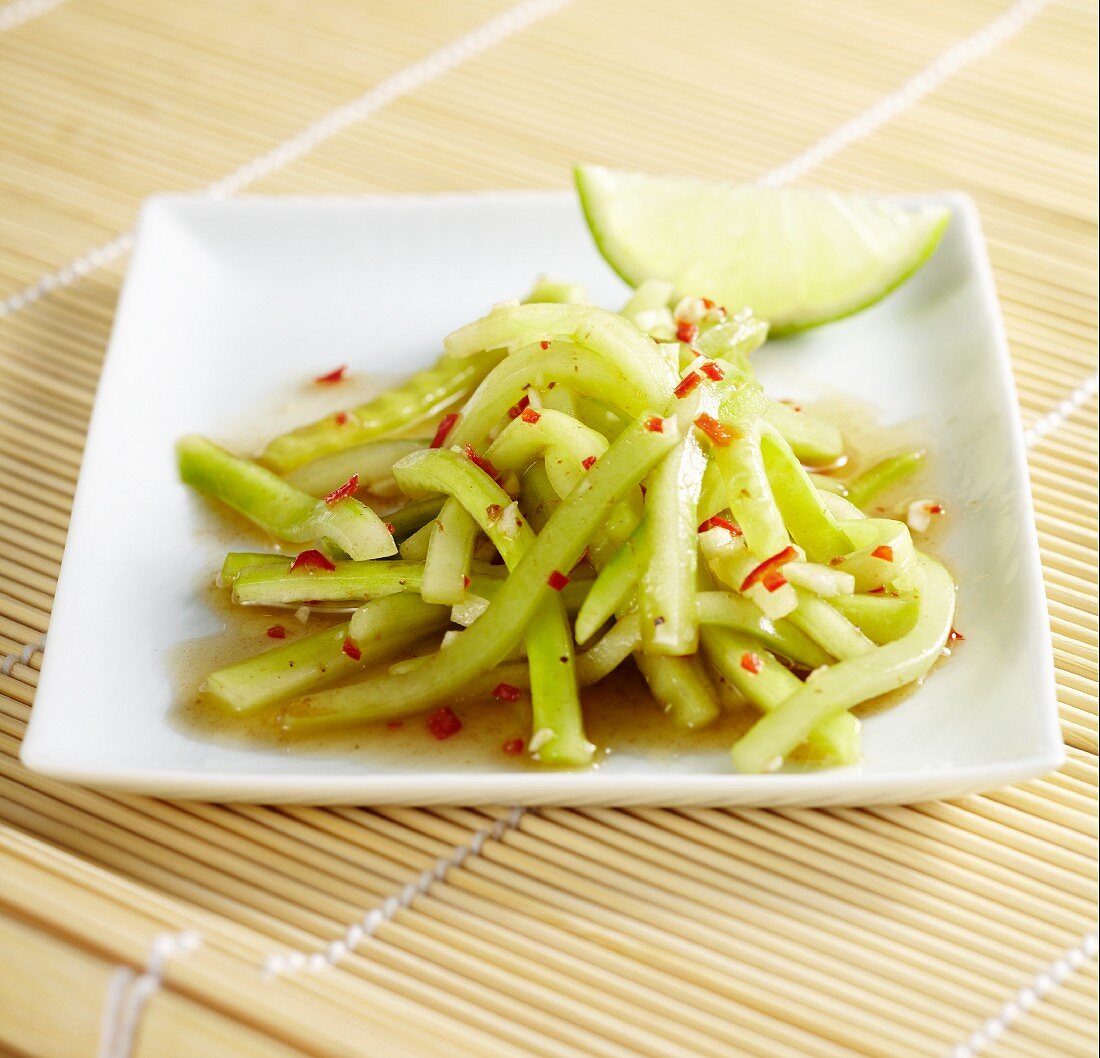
(568, 490)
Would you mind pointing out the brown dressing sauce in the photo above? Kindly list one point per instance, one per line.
(620, 714)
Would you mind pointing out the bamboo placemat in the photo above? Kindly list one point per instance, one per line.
(130, 926)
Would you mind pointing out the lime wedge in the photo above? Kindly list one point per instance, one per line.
(797, 258)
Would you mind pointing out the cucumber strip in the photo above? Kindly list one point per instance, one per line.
(370, 462)
(727, 610)
(524, 593)
(833, 743)
(863, 488)
(414, 400)
(614, 585)
(558, 398)
(804, 513)
(825, 483)
(828, 628)
(280, 509)
(882, 618)
(605, 335)
(682, 688)
(884, 552)
(812, 439)
(238, 561)
(734, 340)
(621, 640)
(450, 551)
(348, 582)
(847, 683)
(712, 496)
(537, 497)
(522, 442)
(414, 548)
(547, 291)
(412, 516)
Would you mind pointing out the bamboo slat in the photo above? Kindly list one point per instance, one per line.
(925, 931)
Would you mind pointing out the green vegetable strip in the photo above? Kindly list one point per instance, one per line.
(557, 727)
(882, 618)
(612, 339)
(866, 486)
(872, 571)
(813, 440)
(824, 483)
(829, 628)
(804, 513)
(237, 561)
(650, 295)
(348, 582)
(520, 443)
(749, 493)
(729, 610)
(712, 497)
(424, 394)
(450, 551)
(279, 508)
(506, 384)
(524, 593)
(666, 597)
(613, 585)
(834, 742)
(401, 615)
(546, 291)
(734, 340)
(847, 683)
(414, 548)
(682, 688)
(414, 515)
(370, 462)
(614, 647)
(538, 499)
(559, 398)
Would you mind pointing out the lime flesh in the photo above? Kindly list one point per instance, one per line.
(796, 257)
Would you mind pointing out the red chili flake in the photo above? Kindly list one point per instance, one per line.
(557, 580)
(276, 632)
(466, 582)
(394, 725)
(589, 462)
(341, 418)
(544, 345)
(443, 723)
(344, 491)
(686, 332)
(480, 461)
(718, 433)
(333, 376)
(836, 560)
(751, 663)
(883, 551)
(513, 747)
(935, 508)
(351, 649)
(655, 424)
(718, 522)
(687, 384)
(773, 581)
(955, 635)
(712, 371)
(505, 692)
(446, 425)
(311, 560)
(519, 407)
(880, 590)
(530, 416)
(769, 565)
(390, 528)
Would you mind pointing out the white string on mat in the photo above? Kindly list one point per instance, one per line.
(387, 91)
(128, 993)
(1058, 415)
(15, 14)
(1045, 981)
(284, 963)
(24, 657)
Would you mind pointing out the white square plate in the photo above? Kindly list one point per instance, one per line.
(228, 300)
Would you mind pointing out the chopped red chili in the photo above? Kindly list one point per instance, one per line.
(769, 565)
(544, 344)
(505, 692)
(751, 662)
(557, 580)
(718, 522)
(773, 581)
(344, 491)
(341, 418)
(588, 462)
(519, 407)
(480, 461)
(935, 508)
(530, 416)
(337, 375)
(513, 747)
(311, 559)
(883, 551)
(955, 634)
(655, 424)
(390, 528)
(687, 384)
(446, 424)
(719, 434)
(466, 582)
(880, 590)
(443, 723)
(351, 649)
(686, 332)
(712, 371)
(276, 632)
